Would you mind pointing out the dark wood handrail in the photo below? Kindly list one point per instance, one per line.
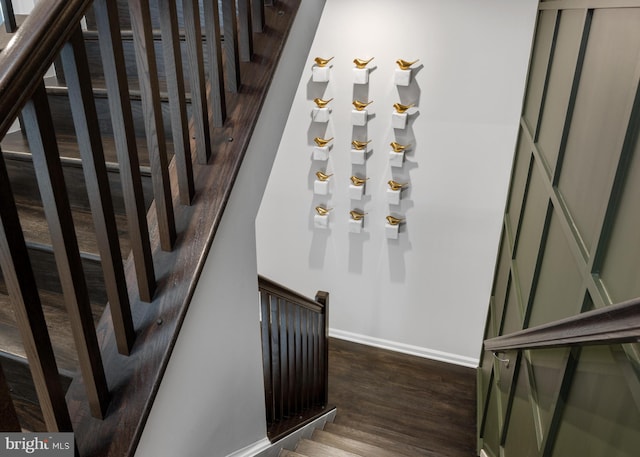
(613, 324)
(31, 52)
(290, 295)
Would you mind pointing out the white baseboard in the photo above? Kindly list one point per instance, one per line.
(252, 449)
(405, 348)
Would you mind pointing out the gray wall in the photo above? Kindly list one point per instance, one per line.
(407, 294)
(211, 400)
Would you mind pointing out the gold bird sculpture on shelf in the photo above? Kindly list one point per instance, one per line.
(359, 106)
(394, 220)
(321, 142)
(320, 103)
(322, 62)
(405, 64)
(395, 185)
(359, 145)
(400, 108)
(322, 176)
(358, 181)
(361, 63)
(356, 215)
(397, 147)
(322, 211)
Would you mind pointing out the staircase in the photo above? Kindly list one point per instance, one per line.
(195, 186)
(346, 438)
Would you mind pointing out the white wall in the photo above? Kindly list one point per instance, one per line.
(211, 400)
(427, 292)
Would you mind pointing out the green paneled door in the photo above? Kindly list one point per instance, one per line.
(571, 241)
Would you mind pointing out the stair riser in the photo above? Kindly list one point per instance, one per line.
(125, 20)
(46, 273)
(63, 121)
(25, 185)
(95, 60)
(23, 392)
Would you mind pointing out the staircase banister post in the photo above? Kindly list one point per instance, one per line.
(322, 297)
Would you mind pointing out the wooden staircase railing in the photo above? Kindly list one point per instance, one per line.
(123, 357)
(615, 324)
(295, 356)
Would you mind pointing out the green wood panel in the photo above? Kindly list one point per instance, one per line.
(538, 67)
(521, 167)
(582, 88)
(601, 114)
(559, 291)
(521, 439)
(620, 270)
(570, 27)
(491, 432)
(546, 374)
(530, 231)
(600, 417)
(502, 276)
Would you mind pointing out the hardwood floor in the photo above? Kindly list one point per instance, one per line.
(424, 403)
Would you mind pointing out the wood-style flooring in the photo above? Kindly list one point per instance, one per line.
(424, 403)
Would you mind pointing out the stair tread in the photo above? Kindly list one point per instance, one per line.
(35, 231)
(397, 445)
(59, 326)
(16, 142)
(316, 449)
(385, 432)
(288, 453)
(348, 444)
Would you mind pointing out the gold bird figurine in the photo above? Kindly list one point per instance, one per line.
(400, 108)
(322, 211)
(394, 220)
(320, 103)
(405, 64)
(356, 215)
(322, 176)
(359, 106)
(358, 181)
(397, 147)
(395, 185)
(360, 63)
(321, 142)
(322, 62)
(359, 145)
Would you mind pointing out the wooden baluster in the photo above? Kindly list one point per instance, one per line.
(177, 103)
(9, 16)
(8, 418)
(152, 112)
(230, 45)
(291, 349)
(284, 359)
(23, 292)
(265, 328)
(245, 31)
(46, 161)
(275, 357)
(257, 9)
(217, 100)
(304, 326)
(322, 297)
(316, 357)
(197, 81)
(85, 118)
(298, 361)
(107, 21)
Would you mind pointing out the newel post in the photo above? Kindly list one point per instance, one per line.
(322, 297)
